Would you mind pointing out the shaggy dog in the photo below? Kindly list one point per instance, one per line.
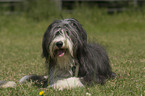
(70, 60)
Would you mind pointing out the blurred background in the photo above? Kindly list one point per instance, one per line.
(38, 9)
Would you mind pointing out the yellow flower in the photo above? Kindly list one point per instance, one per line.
(41, 93)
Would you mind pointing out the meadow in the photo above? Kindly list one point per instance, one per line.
(121, 34)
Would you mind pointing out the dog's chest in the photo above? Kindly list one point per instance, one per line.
(63, 69)
(65, 62)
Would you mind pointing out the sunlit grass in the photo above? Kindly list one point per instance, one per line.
(121, 34)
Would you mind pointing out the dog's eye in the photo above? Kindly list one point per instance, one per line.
(67, 33)
(57, 33)
(73, 24)
(66, 25)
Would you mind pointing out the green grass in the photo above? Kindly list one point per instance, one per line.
(123, 36)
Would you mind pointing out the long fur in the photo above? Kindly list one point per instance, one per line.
(92, 58)
(70, 60)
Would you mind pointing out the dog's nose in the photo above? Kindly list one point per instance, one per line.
(59, 44)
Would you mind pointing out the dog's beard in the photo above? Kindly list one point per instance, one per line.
(61, 49)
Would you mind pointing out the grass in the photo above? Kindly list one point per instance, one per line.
(121, 34)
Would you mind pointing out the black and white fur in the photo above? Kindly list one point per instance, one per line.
(91, 60)
(70, 60)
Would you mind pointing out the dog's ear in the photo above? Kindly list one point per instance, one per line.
(79, 28)
(45, 53)
(45, 42)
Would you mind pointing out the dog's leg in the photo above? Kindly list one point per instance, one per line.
(7, 84)
(68, 83)
(38, 80)
(62, 79)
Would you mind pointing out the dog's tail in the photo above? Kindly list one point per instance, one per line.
(7, 84)
(37, 79)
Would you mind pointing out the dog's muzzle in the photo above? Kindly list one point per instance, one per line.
(60, 51)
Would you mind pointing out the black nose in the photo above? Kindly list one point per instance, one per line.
(59, 44)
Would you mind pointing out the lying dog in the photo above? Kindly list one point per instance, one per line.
(70, 60)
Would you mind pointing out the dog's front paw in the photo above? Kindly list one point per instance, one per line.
(68, 83)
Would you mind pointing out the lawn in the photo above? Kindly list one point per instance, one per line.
(122, 35)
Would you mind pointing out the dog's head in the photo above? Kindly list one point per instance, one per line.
(63, 37)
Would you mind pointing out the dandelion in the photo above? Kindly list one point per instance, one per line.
(41, 93)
